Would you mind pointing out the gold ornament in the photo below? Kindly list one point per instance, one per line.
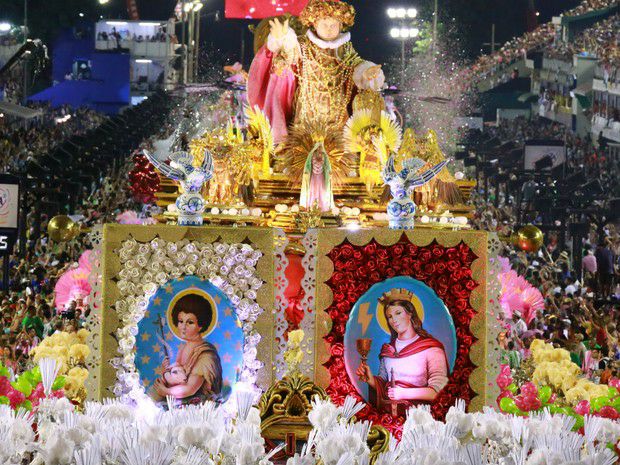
(369, 100)
(326, 83)
(374, 140)
(320, 9)
(284, 407)
(295, 248)
(61, 228)
(442, 190)
(529, 238)
(260, 143)
(293, 154)
(310, 219)
(232, 163)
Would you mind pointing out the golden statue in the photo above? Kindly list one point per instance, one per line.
(311, 79)
(442, 190)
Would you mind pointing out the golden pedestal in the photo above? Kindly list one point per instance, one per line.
(284, 407)
(284, 410)
(276, 189)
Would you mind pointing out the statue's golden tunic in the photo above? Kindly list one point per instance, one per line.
(325, 83)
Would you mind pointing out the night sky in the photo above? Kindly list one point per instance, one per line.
(468, 21)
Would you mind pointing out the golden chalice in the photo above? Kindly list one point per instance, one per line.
(363, 348)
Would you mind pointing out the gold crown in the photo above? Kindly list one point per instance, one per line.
(394, 295)
(319, 9)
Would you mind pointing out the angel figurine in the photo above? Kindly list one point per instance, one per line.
(190, 203)
(401, 209)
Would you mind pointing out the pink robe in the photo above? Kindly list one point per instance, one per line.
(273, 93)
(422, 363)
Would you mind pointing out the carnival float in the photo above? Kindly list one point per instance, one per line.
(311, 292)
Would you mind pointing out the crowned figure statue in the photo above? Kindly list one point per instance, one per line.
(313, 78)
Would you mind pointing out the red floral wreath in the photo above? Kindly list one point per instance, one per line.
(447, 270)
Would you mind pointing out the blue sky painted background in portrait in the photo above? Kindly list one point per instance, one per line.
(437, 321)
(227, 336)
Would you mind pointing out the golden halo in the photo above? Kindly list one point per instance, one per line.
(183, 293)
(391, 296)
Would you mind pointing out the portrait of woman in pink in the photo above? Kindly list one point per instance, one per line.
(413, 366)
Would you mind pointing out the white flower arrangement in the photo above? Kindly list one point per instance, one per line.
(147, 266)
(113, 433)
(484, 438)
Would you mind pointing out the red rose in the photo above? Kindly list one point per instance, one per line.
(370, 265)
(412, 249)
(440, 267)
(337, 277)
(340, 265)
(370, 249)
(460, 304)
(338, 297)
(437, 251)
(337, 350)
(361, 272)
(375, 277)
(357, 255)
(382, 265)
(346, 251)
(390, 273)
(429, 268)
(452, 265)
(425, 255)
(452, 254)
(398, 249)
(470, 284)
(382, 254)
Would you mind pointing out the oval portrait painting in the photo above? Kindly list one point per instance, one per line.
(400, 345)
(189, 343)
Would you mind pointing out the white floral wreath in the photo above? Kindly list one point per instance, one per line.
(147, 266)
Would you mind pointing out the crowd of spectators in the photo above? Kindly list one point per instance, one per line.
(159, 36)
(601, 40)
(28, 312)
(10, 89)
(581, 297)
(542, 38)
(23, 141)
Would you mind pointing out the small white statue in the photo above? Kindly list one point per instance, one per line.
(190, 203)
(401, 209)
